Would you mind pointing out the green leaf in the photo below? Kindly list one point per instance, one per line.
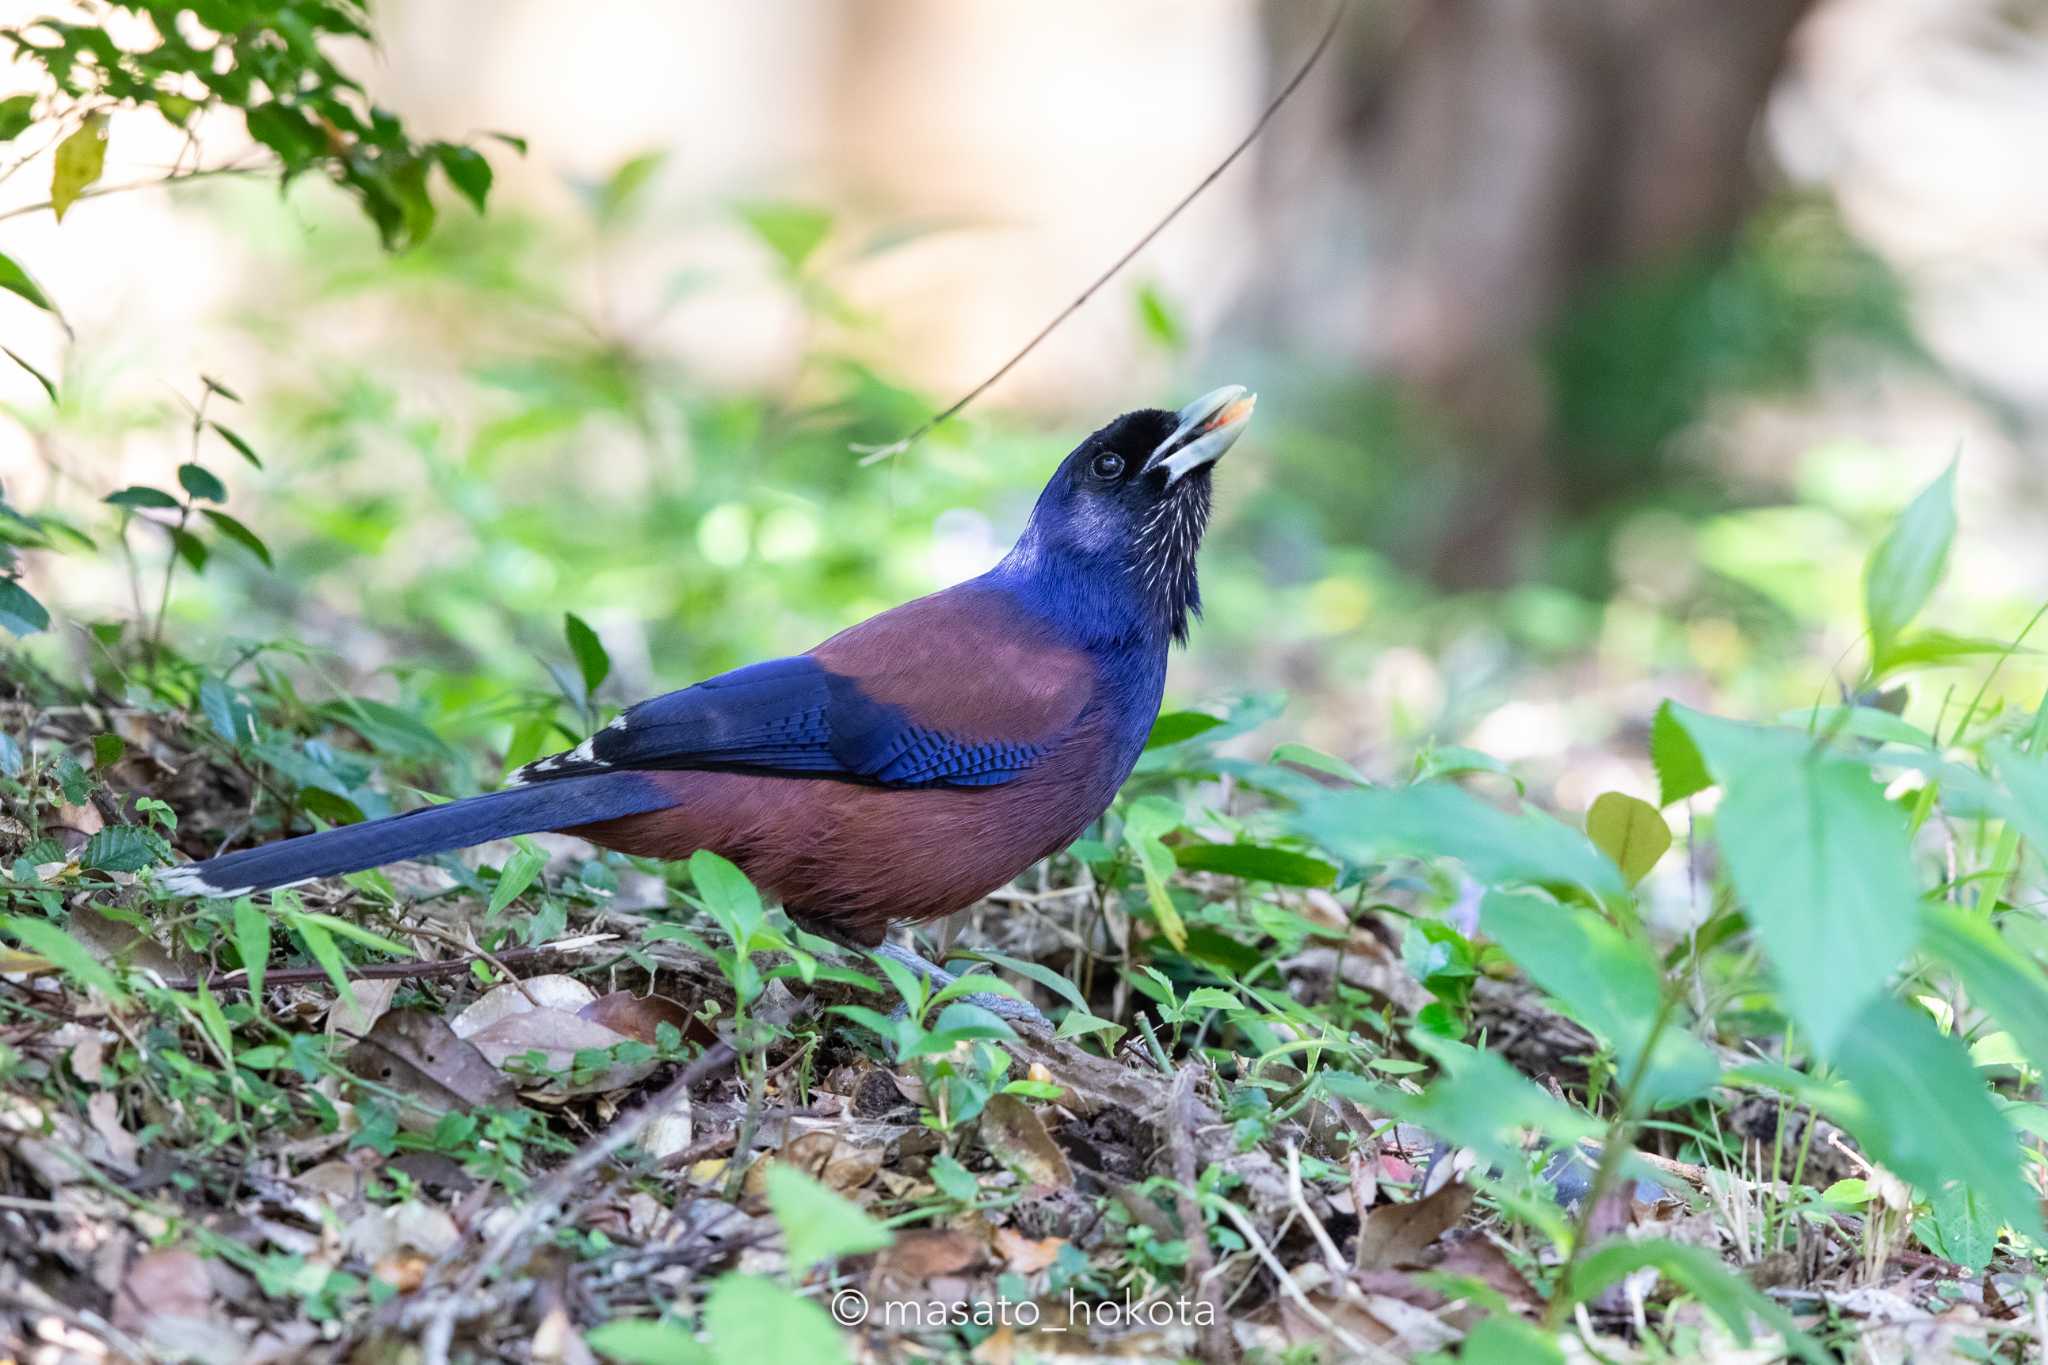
(2026, 777)
(367, 937)
(1504, 1339)
(467, 170)
(1174, 727)
(1159, 320)
(591, 659)
(66, 953)
(107, 750)
(639, 1341)
(387, 727)
(818, 1224)
(1432, 820)
(119, 848)
(79, 161)
(1932, 648)
(319, 944)
(140, 496)
(1720, 1290)
(728, 896)
(792, 231)
(1629, 831)
(1908, 563)
(1822, 863)
(15, 279)
(757, 1322)
(955, 1181)
(200, 483)
(1256, 863)
(17, 112)
(1301, 755)
(229, 435)
(1998, 978)
(1681, 772)
(240, 534)
(1480, 1101)
(20, 613)
(252, 941)
(189, 547)
(515, 876)
(1610, 984)
(49, 385)
(1148, 818)
(1963, 1229)
(1922, 1111)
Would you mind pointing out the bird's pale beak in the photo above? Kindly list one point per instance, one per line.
(1208, 426)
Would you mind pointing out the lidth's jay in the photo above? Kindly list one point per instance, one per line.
(907, 766)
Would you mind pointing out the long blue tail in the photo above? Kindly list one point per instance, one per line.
(550, 805)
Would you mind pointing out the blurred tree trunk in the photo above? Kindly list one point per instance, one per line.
(1476, 173)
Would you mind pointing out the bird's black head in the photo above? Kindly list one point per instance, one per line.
(1123, 516)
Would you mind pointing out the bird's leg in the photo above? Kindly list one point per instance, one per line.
(1006, 1006)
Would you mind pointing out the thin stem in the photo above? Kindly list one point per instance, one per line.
(1615, 1145)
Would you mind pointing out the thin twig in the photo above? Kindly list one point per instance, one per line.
(94, 192)
(872, 454)
(1360, 1348)
(381, 971)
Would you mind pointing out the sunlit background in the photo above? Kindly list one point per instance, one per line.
(1596, 345)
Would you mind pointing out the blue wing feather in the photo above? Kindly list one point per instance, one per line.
(790, 715)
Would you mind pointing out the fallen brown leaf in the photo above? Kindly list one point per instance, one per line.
(1397, 1234)
(558, 1036)
(640, 1017)
(1014, 1135)
(416, 1054)
(1024, 1255)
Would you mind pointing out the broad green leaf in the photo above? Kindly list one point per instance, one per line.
(107, 750)
(591, 659)
(252, 941)
(16, 280)
(350, 930)
(728, 895)
(1922, 1111)
(757, 1322)
(642, 1341)
(1859, 722)
(80, 159)
(1610, 984)
(240, 534)
(1148, 818)
(792, 231)
(1433, 820)
(817, 1223)
(1681, 772)
(1629, 831)
(387, 727)
(17, 112)
(515, 876)
(2026, 777)
(1998, 978)
(1963, 1229)
(1908, 563)
(467, 170)
(200, 482)
(20, 613)
(1256, 863)
(1821, 861)
(1933, 648)
(1504, 1339)
(1721, 1291)
(1480, 1101)
(140, 496)
(1175, 726)
(1457, 760)
(189, 547)
(66, 953)
(119, 848)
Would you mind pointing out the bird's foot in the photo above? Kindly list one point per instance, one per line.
(1002, 1006)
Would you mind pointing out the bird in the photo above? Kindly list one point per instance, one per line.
(907, 766)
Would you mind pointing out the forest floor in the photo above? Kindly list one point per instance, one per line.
(533, 1151)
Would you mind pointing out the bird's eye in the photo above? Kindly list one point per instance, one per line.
(1106, 466)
